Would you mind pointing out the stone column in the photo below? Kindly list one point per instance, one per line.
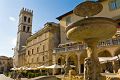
(79, 69)
(92, 65)
(66, 59)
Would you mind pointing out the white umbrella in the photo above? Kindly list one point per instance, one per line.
(42, 67)
(54, 66)
(13, 69)
(107, 59)
(29, 69)
(72, 66)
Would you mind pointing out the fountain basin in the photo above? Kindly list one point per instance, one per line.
(91, 28)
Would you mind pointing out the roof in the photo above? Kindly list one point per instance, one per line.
(60, 17)
(3, 57)
(70, 12)
(46, 27)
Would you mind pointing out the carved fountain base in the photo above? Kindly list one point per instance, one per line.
(92, 67)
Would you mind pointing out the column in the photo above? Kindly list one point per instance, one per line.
(66, 59)
(79, 67)
(91, 63)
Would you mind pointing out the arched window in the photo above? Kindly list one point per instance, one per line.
(37, 59)
(59, 61)
(28, 29)
(43, 58)
(28, 20)
(25, 18)
(24, 28)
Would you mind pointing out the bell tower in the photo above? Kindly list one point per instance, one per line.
(24, 27)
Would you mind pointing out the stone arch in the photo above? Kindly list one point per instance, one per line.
(72, 60)
(117, 52)
(83, 55)
(61, 60)
(104, 53)
(106, 66)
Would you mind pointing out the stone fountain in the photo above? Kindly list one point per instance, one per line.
(90, 30)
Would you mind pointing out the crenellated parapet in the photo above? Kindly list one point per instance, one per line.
(26, 11)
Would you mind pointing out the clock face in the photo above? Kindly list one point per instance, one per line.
(88, 8)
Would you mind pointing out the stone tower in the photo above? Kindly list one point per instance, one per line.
(24, 32)
(24, 27)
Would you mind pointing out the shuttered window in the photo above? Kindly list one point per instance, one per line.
(114, 4)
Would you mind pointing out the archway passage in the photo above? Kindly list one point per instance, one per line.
(73, 61)
(106, 66)
(61, 61)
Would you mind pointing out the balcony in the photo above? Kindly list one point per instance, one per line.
(79, 47)
(70, 48)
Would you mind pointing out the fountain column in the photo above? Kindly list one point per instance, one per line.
(91, 63)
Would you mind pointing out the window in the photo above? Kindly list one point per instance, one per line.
(32, 60)
(68, 21)
(43, 48)
(32, 51)
(43, 58)
(25, 18)
(28, 29)
(24, 28)
(37, 49)
(37, 59)
(28, 52)
(115, 41)
(114, 4)
(28, 20)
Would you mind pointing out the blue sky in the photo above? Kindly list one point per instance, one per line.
(44, 11)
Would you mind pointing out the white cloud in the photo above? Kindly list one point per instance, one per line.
(13, 42)
(12, 19)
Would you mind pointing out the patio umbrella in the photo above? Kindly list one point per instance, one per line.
(72, 66)
(42, 67)
(13, 69)
(107, 59)
(54, 66)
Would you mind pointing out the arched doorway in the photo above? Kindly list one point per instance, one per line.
(106, 66)
(73, 61)
(60, 61)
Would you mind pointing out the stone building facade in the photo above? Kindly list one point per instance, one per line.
(6, 63)
(51, 46)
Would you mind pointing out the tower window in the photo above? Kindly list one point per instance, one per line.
(28, 29)
(25, 18)
(32, 51)
(24, 28)
(28, 20)
(43, 58)
(28, 52)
